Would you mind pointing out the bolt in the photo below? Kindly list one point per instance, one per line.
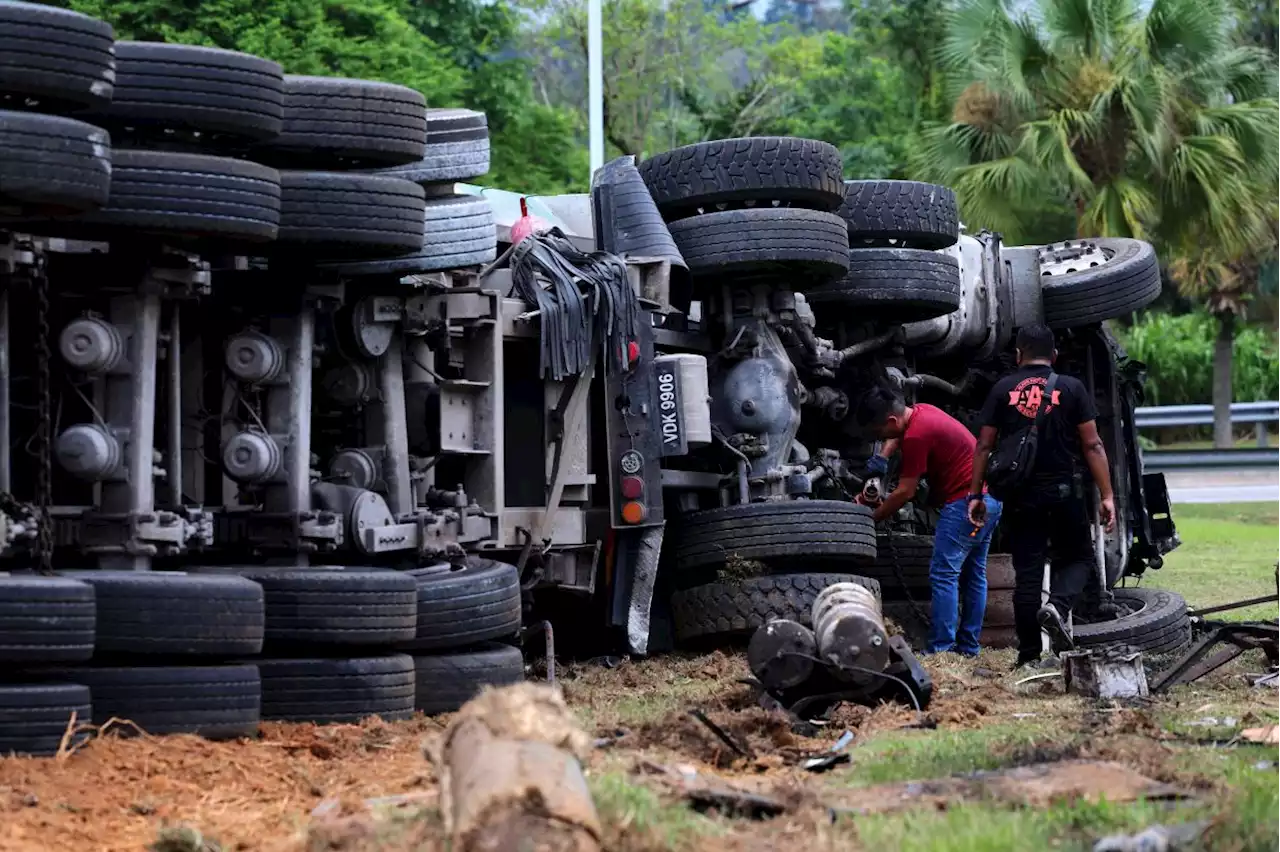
(876, 641)
(748, 406)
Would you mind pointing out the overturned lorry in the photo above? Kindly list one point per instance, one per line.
(290, 341)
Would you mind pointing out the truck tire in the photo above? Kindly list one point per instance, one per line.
(1088, 281)
(360, 215)
(447, 681)
(457, 149)
(51, 166)
(457, 232)
(894, 284)
(55, 57)
(465, 606)
(785, 532)
(45, 619)
(205, 89)
(902, 566)
(761, 169)
(1157, 623)
(900, 212)
(332, 122)
(162, 613)
(34, 717)
(730, 610)
(161, 193)
(337, 691)
(215, 702)
(337, 608)
(806, 247)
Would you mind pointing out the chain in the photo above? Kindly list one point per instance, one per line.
(902, 581)
(44, 428)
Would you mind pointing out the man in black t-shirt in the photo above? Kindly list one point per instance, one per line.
(1051, 509)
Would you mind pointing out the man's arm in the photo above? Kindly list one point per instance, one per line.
(1095, 455)
(905, 491)
(981, 455)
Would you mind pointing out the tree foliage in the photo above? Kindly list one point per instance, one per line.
(446, 49)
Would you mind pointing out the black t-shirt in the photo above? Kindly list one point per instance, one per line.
(1013, 404)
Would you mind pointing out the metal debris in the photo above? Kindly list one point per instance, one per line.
(1157, 838)
(1114, 673)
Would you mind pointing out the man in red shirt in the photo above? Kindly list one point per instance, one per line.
(938, 447)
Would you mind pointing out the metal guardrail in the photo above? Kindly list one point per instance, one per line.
(1258, 413)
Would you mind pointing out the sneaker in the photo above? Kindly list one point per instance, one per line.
(1051, 622)
(1027, 663)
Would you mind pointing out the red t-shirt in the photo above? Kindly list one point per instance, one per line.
(940, 447)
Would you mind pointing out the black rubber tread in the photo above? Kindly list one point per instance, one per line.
(45, 619)
(900, 212)
(362, 215)
(34, 717)
(457, 232)
(341, 608)
(180, 86)
(466, 606)
(787, 531)
(635, 227)
(332, 122)
(52, 166)
(337, 691)
(806, 247)
(457, 149)
(175, 614)
(736, 609)
(896, 284)
(215, 199)
(55, 57)
(1160, 625)
(1130, 280)
(445, 682)
(913, 555)
(801, 172)
(216, 702)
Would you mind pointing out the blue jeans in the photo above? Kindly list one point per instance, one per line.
(958, 575)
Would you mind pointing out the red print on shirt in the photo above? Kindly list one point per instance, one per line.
(1027, 395)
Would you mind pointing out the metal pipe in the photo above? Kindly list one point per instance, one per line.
(6, 476)
(395, 426)
(173, 443)
(595, 85)
(869, 345)
(298, 455)
(1099, 534)
(142, 415)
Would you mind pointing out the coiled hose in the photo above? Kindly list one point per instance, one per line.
(589, 302)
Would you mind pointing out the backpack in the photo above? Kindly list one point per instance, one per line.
(1013, 461)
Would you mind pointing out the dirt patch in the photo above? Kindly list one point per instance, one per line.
(117, 794)
(765, 737)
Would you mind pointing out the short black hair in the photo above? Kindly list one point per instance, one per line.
(1036, 341)
(876, 406)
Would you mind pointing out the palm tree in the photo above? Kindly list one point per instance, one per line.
(1144, 121)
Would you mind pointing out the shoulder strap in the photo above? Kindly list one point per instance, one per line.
(1049, 387)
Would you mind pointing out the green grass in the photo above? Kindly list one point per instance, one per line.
(915, 754)
(1228, 553)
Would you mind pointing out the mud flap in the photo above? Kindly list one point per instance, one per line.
(635, 573)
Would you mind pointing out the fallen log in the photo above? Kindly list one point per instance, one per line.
(511, 776)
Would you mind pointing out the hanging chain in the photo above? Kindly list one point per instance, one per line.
(44, 428)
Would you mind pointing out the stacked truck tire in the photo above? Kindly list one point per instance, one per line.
(134, 145)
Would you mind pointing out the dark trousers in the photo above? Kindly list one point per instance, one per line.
(1051, 522)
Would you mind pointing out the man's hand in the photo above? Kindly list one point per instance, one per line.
(1107, 509)
(977, 511)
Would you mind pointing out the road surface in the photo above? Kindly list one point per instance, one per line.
(1244, 485)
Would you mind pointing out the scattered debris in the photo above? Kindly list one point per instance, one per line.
(1237, 638)
(1114, 673)
(1036, 785)
(1270, 735)
(834, 757)
(723, 735)
(709, 792)
(511, 774)
(1157, 838)
(1212, 722)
